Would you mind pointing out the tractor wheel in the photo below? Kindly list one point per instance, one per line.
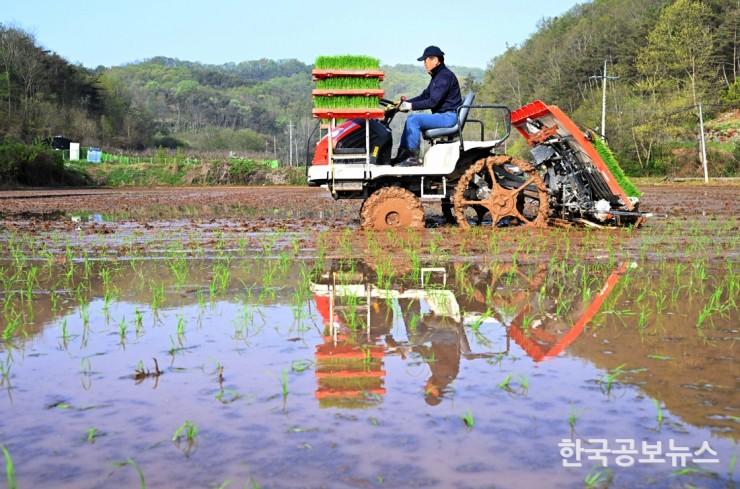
(501, 191)
(392, 208)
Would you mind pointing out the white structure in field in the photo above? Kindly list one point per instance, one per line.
(74, 151)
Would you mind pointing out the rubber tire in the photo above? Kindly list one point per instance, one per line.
(392, 208)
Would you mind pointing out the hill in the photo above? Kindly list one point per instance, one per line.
(249, 106)
(668, 56)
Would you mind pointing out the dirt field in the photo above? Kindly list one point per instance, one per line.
(287, 203)
(147, 218)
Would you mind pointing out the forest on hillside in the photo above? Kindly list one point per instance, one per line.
(667, 57)
(250, 106)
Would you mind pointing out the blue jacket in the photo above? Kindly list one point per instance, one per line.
(442, 94)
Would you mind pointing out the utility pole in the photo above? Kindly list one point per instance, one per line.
(290, 142)
(604, 78)
(703, 145)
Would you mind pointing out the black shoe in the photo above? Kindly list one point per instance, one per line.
(402, 154)
(412, 160)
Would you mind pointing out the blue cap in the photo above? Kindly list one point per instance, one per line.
(431, 51)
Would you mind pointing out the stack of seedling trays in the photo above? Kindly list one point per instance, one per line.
(347, 87)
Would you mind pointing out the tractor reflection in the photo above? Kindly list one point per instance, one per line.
(439, 316)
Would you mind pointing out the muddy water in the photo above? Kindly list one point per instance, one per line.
(305, 373)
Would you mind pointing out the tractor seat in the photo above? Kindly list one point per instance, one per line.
(454, 130)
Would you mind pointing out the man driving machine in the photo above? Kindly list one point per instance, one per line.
(442, 97)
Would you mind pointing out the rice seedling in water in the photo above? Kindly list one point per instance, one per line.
(187, 431)
(65, 332)
(9, 470)
(86, 366)
(610, 377)
(524, 384)
(31, 282)
(572, 418)
(180, 326)
(142, 482)
(138, 321)
(506, 383)
(597, 478)
(468, 420)
(643, 318)
(5, 366)
(284, 384)
(687, 471)
(122, 329)
(92, 434)
(13, 322)
(659, 357)
(713, 305)
(179, 268)
(157, 292)
(659, 412)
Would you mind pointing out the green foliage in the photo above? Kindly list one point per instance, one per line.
(731, 96)
(241, 169)
(611, 162)
(222, 138)
(347, 62)
(679, 46)
(650, 105)
(125, 170)
(169, 142)
(35, 165)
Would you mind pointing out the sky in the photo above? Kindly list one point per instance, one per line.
(111, 33)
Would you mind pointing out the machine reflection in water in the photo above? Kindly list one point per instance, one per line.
(445, 314)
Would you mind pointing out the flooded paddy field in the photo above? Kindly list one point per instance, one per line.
(256, 338)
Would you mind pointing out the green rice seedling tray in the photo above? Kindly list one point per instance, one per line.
(362, 92)
(347, 62)
(606, 154)
(345, 83)
(348, 113)
(321, 74)
(347, 87)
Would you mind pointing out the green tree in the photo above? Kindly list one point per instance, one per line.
(679, 46)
